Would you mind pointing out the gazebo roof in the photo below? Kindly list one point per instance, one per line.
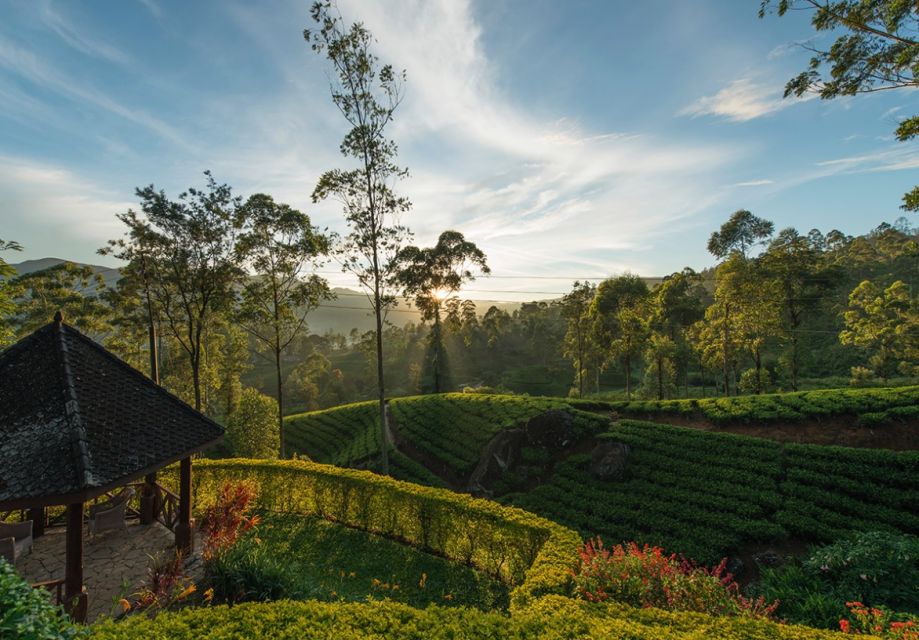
(76, 421)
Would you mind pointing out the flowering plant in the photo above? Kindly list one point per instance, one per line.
(879, 621)
(225, 521)
(648, 577)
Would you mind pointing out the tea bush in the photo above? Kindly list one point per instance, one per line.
(875, 406)
(344, 435)
(551, 618)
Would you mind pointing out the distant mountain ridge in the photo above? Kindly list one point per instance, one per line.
(350, 309)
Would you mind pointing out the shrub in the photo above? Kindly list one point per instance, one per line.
(748, 382)
(648, 577)
(167, 583)
(876, 567)
(248, 572)
(861, 377)
(225, 520)
(252, 430)
(879, 621)
(27, 613)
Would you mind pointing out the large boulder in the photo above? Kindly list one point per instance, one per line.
(553, 429)
(609, 460)
(499, 455)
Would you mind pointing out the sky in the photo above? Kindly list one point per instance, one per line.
(569, 140)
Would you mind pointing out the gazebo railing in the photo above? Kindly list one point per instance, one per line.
(56, 587)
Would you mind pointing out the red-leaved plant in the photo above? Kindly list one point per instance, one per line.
(876, 621)
(646, 576)
(167, 583)
(225, 521)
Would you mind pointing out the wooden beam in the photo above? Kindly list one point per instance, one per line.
(37, 516)
(148, 494)
(185, 533)
(75, 597)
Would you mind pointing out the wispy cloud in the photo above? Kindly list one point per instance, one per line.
(896, 159)
(66, 27)
(753, 183)
(34, 70)
(742, 100)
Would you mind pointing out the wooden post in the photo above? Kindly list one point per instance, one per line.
(75, 597)
(149, 508)
(185, 533)
(37, 516)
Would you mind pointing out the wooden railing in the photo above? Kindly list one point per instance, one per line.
(167, 503)
(56, 587)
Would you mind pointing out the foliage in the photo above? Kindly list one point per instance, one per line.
(347, 435)
(739, 234)
(7, 293)
(862, 620)
(167, 584)
(431, 275)
(892, 403)
(367, 95)
(575, 306)
(645, 576)
(618, 313)
(227, 518)
(519, 548)
(876, 49)
(252, 430)
(277, 245)
(27, 613)
(885, 323)
(184, 252)
(298, 557)
(69, 288)
(877, 568)
(705, 494)
(552, 618)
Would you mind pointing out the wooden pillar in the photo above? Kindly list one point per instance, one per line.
(149, 508)
(37, 516)
(185, 528)
(75, 597)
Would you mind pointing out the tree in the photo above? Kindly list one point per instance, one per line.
(277, 245)
(367, 95)
(252, 430)
(8, 293)
(739, 234)
(878, 50)
(431, 275)
(186, 249)
(676, 304)
(660, 355)
(883, 322)
(619, 316)
(796, 263)
(72, 289)
(575, 306)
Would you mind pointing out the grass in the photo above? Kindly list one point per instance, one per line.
(332, 562)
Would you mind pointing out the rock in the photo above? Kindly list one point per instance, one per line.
(499, 455)
(769, 558)
(735, 566)
(609, 460)
(553, 429)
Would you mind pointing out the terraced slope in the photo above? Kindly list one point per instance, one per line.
(707, 494)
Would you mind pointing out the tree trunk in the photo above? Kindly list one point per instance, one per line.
(437, 350)
(759, 367)
(580, 360)
(280, 398)
(660, 378)
(794, 361)
(196, 381)
(628, 376)
(378, 312)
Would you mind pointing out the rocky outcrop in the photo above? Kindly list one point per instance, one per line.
(609, 460)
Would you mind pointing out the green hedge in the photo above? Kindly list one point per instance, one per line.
(872, 406)
(551, 618)
(522, 549)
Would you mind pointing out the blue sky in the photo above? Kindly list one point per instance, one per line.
(565, 138)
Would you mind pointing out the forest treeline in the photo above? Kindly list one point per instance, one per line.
(780, 311)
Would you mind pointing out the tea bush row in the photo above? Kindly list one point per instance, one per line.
(551, 618)
(344, 436)
(873, 406)
(455, 427)
(705, 494)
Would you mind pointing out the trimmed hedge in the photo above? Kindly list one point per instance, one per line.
(551, 618)
(872, 406)
(524, 550)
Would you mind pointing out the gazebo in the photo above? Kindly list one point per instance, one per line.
(76, 423)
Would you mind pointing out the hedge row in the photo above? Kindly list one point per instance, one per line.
(872, 406)
(551, 618)
(522, 549)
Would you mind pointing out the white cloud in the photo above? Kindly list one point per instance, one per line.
(753, 183)
(55, 203)
(742, 100)
(66, 28)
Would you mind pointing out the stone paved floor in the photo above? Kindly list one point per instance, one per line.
(114, 563)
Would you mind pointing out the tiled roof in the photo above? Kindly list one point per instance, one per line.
(74, 418)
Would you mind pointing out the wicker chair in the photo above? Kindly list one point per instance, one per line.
(110, 514)
(15, 539)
